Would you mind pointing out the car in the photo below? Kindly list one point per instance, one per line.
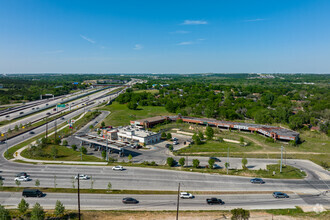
(21, 113)
(48, 113)
(175, 142)
(31, 132)
(215, 159)
(7, 116)
(174, 139)
(21, 174)
(185, 195)
(130, 200)
(118, 168)
(213, 201)
(280, 195)
(32, 193)
(1, 178)
(2, 142)
(82, 177)
(257, 180)
(22, 179)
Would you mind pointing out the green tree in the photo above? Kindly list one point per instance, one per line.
(182, 161)
(211, 163)
(227, 165)
(74, 147)
(170, 161)
(37, 212)
(54, 152)
(83, 150)
(200, 135)
(130, 157)
(163, 136)
(196, 139)
(132, 105)
(241, 141)
(104, 154)
(91, 127)
(171, 147)
(103, 124)
(209, 133)
(59, 209)
(57, 141)
(37, 183)
(65, 143)
(23, 206)
(4, 213)
(195, 163)
(18, 183)
(168, 136)
(244, 163)
(240, 214)
(220, 139)
(109, 186)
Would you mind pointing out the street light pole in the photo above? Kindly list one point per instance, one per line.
(78, 198)
(6, 144)
(178, 201)
(227, 160)
(281, 159)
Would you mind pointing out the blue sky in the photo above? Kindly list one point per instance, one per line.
(122, 36)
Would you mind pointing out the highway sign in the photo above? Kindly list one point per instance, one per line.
(61, 106)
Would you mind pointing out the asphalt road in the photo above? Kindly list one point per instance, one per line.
(154, 202)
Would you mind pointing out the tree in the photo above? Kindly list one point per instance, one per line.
(132, 105)
(170, 161)
(163, 136)
(37, 212)
(54, 152)
(109, 186)
(220, 139)
(37, 183)
(103, 124)
(171, 147)
(227, 165)
(57, 141)
(83, 150)
(240, 214)
(74, 147)
(65, 143)
(195, 163)
(241, 141)
(209, 133)
(1, 183)
(168, 136)
(104, 154)
(200, 135)
(196, 139)
(91, 127)
(130, 157)
(182, 161)
(4, 213)
(244, 163)
(16, 128)
(59, 209)
(18, 183)
(211, 163)
(23, 206)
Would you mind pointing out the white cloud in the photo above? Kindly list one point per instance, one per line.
(88, 39)
(180, 32)
(138, 47)
(194, 22)
(186, 43)
(254, 20)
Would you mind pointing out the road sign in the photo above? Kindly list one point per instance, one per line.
(61, 106)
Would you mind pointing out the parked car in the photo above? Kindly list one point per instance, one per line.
(130, 200)
(22, 179)
(185, 195)
(215, 159)
(280, 195)
(31, 132)
(174, 139)
(257, 180)
(213, 201)
(2, 142)
(21, 174)
(82, 177)
(175, 142)
(32, 193)
(118, 168)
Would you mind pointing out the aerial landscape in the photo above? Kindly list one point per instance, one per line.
(164, 109)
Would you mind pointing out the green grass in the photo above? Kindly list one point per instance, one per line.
(299, 213)
(153, 91)
(120, 115)
(64, 154)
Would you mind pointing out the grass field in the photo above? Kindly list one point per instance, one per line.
(153, 91)
(64, 154)
(120, 115)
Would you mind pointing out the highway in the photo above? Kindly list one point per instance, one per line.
(155, 202)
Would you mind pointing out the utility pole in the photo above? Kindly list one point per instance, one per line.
(227, 160)
(177, 207)
(78, 198)
(55, 129)
(6, 144)
(281, 159)
(46, 127)
(106, 150)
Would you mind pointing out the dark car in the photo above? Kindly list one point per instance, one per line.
(32, 193)
(22, 174)
(280, 195)
(1, 178)
(257, 180)
(2, 142)
(31, 132)
(213, 201)
(215, 159)
(129, 200)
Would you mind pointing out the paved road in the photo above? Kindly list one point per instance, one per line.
(155, 202)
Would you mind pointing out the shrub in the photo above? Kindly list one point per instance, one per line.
(170, 161)
(240, 214)
(168, 136)
(211, 163)
(196, 163)
(182, 161)
(74, 147)
(65, 143)
(83, 150)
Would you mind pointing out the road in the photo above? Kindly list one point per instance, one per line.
(155, 202)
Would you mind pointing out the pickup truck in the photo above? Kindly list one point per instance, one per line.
(213, 201)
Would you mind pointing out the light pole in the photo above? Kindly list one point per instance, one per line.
(106, 150)
(178, 201)
(78, 198)
(227, 160)
(281, 159)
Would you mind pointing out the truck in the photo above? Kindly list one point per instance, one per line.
(213, 201)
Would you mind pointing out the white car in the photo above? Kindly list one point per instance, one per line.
(118, 167)
(82, 177)
(185, 195)
(22, 179)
